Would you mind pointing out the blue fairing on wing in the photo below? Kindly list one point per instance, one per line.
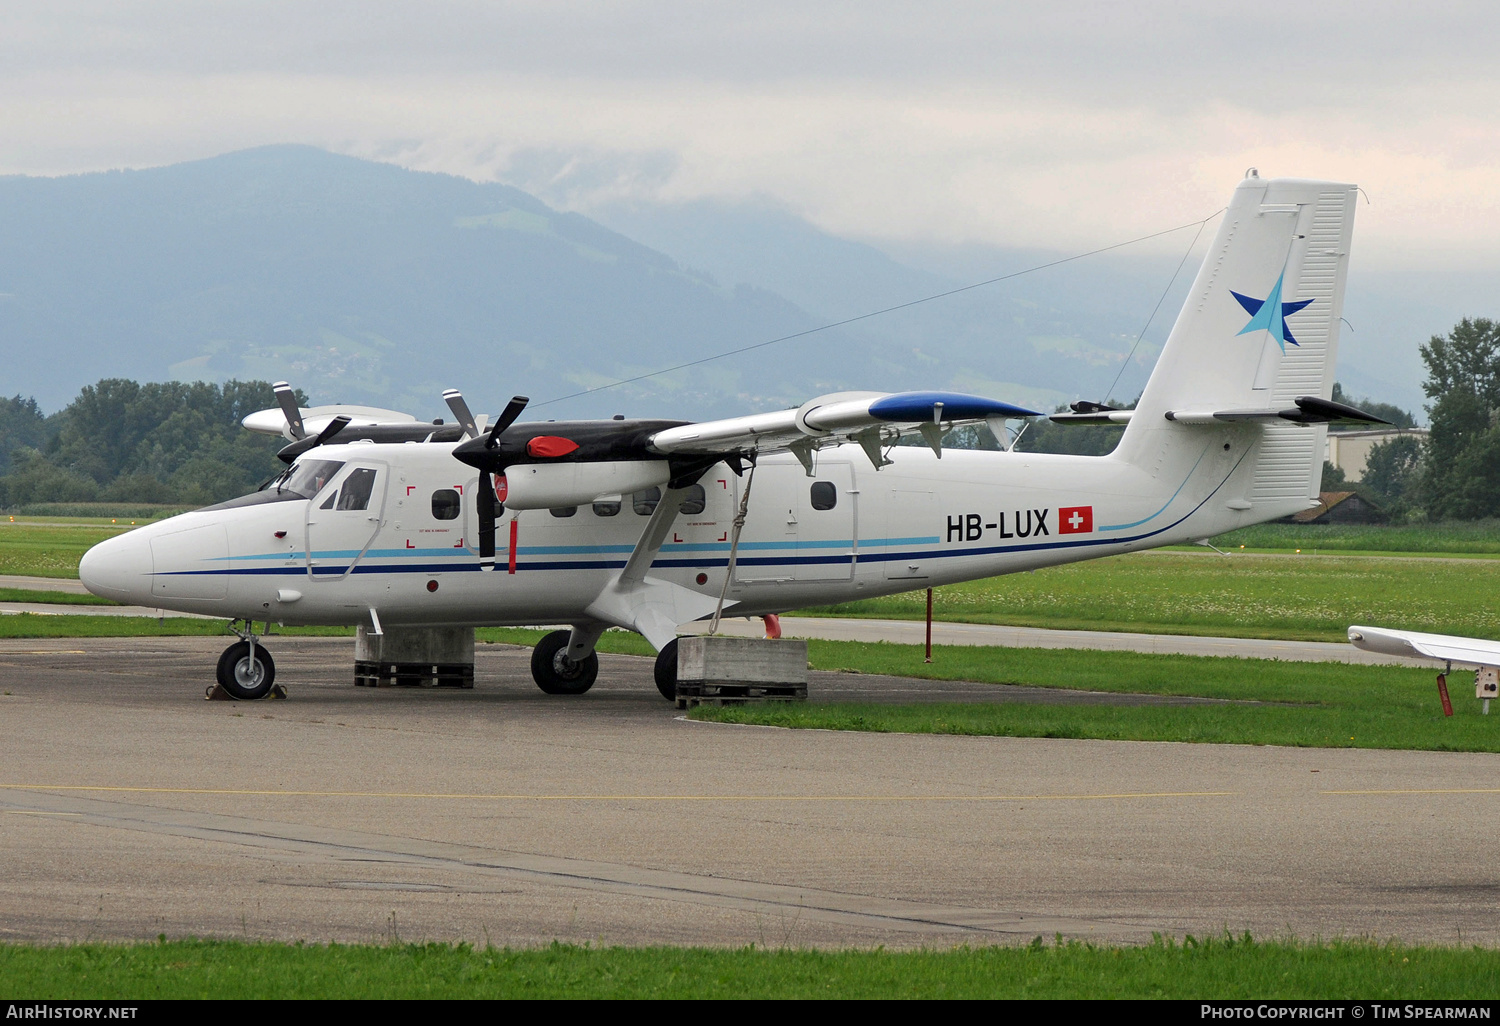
(909, 406)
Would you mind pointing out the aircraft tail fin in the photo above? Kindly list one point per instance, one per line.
(1258, 330)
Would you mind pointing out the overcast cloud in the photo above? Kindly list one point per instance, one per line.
(1060, 125)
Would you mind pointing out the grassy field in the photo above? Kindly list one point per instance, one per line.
(1478, 537)
(49, 549)
(56, 598)
(1310, 598)
(1270, 702)
(1222, 968)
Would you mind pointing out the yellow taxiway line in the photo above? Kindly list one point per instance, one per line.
(624, 797)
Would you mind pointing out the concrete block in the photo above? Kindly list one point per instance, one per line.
(721, 669)
(415, 657)
(415, 645)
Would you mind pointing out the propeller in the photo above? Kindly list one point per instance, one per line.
(304, 443)
(507, 418)
(288, 403)
(455, 400)
(335, 425)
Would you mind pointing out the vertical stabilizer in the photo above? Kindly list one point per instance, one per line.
(1259, 328)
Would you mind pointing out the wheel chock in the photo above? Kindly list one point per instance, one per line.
(216, 693)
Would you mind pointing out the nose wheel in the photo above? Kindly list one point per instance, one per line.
(246, 671)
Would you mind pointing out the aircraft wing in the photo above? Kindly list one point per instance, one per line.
(1469, 651)
(870, 418)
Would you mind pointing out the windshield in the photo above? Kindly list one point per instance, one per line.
(307, 477)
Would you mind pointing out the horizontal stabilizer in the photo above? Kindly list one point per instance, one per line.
(1469, 651)
(1093, 417)
(1308, 410)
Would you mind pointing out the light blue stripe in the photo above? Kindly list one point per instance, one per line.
(1138, 523)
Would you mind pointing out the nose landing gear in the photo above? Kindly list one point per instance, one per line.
(246, 670)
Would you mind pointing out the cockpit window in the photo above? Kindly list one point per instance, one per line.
(307, 477)
(357, 488)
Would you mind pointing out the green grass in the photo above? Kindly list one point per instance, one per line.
(99, 512)
(1221, 968)
(1476, 537)
(1309, 598)
(56, 598)
(1307, 705)
(45, 550)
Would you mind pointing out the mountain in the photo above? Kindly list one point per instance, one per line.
(364, 282)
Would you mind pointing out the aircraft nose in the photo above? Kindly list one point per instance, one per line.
(118, 568)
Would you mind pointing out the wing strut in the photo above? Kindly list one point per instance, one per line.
(650, 605)
(734, 550)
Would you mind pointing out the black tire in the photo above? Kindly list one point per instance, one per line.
(237, 677)
(666, 671)
(555, 673)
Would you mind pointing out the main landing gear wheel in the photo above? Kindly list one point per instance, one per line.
(244, 678)
(555, 673)
(666, 671)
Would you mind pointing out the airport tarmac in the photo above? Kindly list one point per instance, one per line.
(130, 807)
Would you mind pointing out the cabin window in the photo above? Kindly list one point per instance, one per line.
(357, 489)
(693, 504)
(607, 509)
(309, 476)
(644, 503)
(824, 495)
(563, 511)
(446, 505)
(332, 498)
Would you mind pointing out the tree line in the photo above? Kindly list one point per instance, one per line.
(181, 442)
(122, 441)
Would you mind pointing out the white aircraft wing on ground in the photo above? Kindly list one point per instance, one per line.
(1468, 651)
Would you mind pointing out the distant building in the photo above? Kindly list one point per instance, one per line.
(1350, 450)
(1339, 508)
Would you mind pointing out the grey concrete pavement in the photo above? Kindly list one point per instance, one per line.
(131, 807)
(72, 586)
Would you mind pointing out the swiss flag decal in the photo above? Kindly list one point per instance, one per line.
(1075, 520)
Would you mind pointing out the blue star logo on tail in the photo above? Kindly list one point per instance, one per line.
(1270, 314)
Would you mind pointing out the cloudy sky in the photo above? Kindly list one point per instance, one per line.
(1055, 124)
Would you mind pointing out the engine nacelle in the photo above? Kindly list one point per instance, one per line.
(550, 485)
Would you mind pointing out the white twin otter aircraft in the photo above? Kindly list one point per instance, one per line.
(383, 521)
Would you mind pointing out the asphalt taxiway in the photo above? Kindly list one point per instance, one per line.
(130, 807)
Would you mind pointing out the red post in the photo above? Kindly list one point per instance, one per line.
(513, 530)
(929, 625)
(1443, 694)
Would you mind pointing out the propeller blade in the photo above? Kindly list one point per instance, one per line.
(455, 400)
(288, 403)
(335, 425)
(507, 418)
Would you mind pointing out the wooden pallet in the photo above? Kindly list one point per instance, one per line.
(371, 674)
(717, 692)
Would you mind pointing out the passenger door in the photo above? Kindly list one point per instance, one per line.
(343, 519)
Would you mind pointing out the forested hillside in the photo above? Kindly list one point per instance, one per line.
(120, 441)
